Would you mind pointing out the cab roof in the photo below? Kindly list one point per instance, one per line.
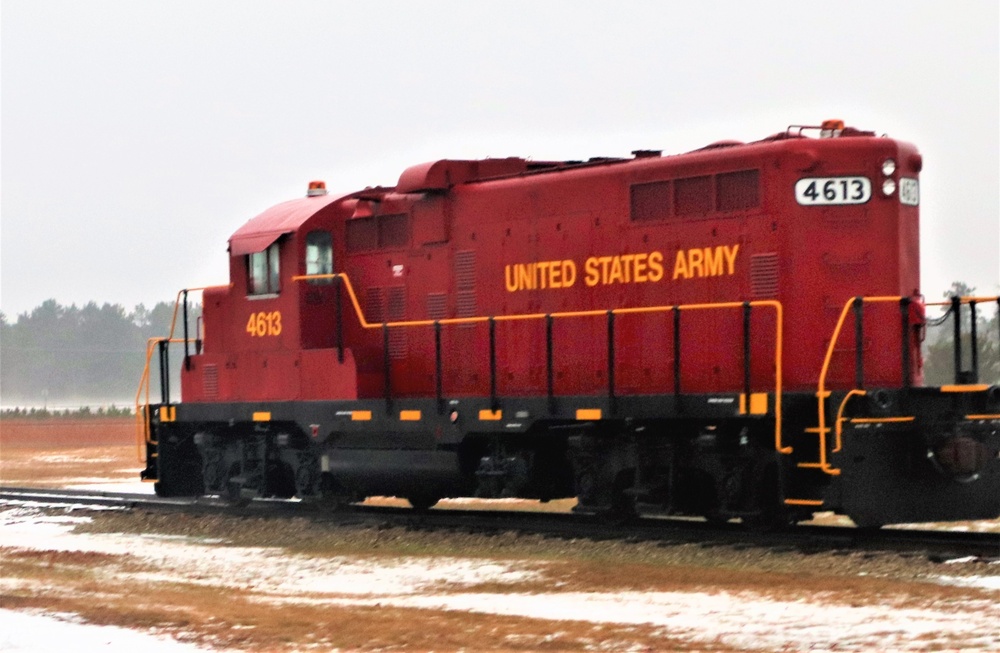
(259, 233)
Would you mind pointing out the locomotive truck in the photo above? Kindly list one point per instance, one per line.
(733, 332)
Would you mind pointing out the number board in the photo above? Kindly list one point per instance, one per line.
(264, 324)
(814, 191)
(909, 191)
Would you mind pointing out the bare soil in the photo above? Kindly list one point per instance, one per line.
(67, 432)
(57, 452)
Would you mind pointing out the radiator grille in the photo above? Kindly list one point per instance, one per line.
(373, 305)
(465, 270)
(465, 285)
(437, 305)
(210, 380)
(465, 306)
(764, 275)
(398, 336)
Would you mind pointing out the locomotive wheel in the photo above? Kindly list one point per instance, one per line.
(769, 514)
(326, 504)
(715, 518)
(233, 494)
(766, 521)
(283, 480)
(623, 509)
(332, 496)
(233, 497)
(865, 523)
(176, 484)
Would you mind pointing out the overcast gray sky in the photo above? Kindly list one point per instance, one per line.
(137, 136)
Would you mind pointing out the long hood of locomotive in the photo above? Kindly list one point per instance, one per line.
(800, 223)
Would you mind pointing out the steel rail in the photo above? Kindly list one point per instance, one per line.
(936, 545)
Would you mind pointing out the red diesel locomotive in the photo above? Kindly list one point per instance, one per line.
(730, 332)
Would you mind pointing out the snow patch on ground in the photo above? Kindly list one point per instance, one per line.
(741, 619)
(26, 632)
(269, 570)
(991, 583)
(980, 526)
(71, 458)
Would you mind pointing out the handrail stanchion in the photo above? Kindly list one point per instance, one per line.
(550, 377)
(956, 310)
(387, 368)
(438, 367)
(164, 372)
(611, 362)
(904, 311)
(339, 314)
(187, 358)
(973, 342)
(493, 364)
(677, 357)
(859, 342)
(779, 362)
(746, 352)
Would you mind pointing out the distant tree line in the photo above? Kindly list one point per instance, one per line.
(69, 413)
(68, 356)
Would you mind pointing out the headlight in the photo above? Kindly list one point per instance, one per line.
(888, 167)
(888, 187)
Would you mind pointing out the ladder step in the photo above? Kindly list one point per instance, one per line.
(816, 429)
(804, 502)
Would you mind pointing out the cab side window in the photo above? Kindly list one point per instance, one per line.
(319, 255)
(262, 272)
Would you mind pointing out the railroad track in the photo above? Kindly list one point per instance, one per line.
(937, 546)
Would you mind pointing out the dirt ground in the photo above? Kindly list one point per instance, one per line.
(66, 432)
(227, 583)
(63, 452)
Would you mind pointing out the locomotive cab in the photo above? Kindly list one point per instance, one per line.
(267, 335)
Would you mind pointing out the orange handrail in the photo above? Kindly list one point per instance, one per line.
(141, 409)
(965, 300)
(776, 305)
(840, 416)
(822, 393)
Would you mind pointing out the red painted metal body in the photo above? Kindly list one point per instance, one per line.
(506, 237)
